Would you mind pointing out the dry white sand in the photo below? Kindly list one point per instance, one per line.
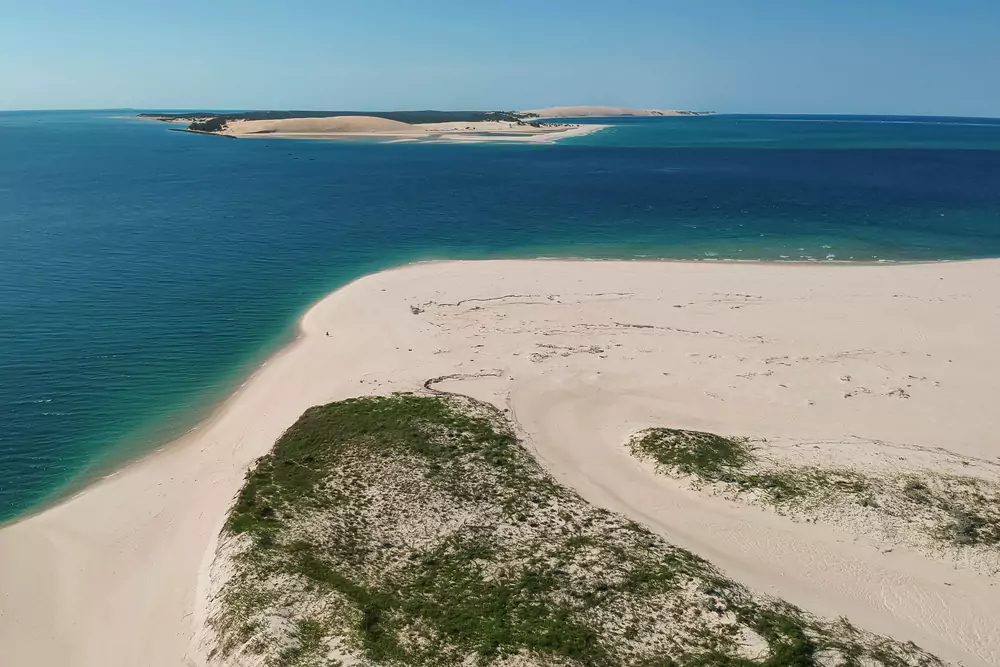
(331, 125)
(582, 354)
(343, 127)
(601, 112)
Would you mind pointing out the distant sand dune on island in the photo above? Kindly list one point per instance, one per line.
(318, 125)
(374, 126)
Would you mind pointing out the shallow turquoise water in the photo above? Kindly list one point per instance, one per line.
(144, 272)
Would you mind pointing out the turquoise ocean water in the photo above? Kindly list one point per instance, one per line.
(144, 272)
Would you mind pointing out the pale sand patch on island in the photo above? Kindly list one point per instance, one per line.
(346, 127)
(604, 112)
(582, 354)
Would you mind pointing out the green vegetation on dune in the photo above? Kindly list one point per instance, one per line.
(416, 530)
(961, 510)
(705, 455)
(209, 125)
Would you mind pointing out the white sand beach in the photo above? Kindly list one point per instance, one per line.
(347, 127)
(582, 354)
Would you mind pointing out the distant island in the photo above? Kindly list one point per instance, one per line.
(446, 126)
(604, 112)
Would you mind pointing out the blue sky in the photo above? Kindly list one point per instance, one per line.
(782, 56)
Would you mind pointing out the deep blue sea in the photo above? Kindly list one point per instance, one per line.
(144, 272)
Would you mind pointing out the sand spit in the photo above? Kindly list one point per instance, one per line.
(346, 127)
(582, 355)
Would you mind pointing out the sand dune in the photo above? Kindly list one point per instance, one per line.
(582, 354)
(360, 126)
(334, 124)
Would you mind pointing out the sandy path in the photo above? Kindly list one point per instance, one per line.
(585, 353)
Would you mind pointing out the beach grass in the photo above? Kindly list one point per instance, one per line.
(962, 511)
(416, 530)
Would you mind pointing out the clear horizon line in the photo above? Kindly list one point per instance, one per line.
(292, 109)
